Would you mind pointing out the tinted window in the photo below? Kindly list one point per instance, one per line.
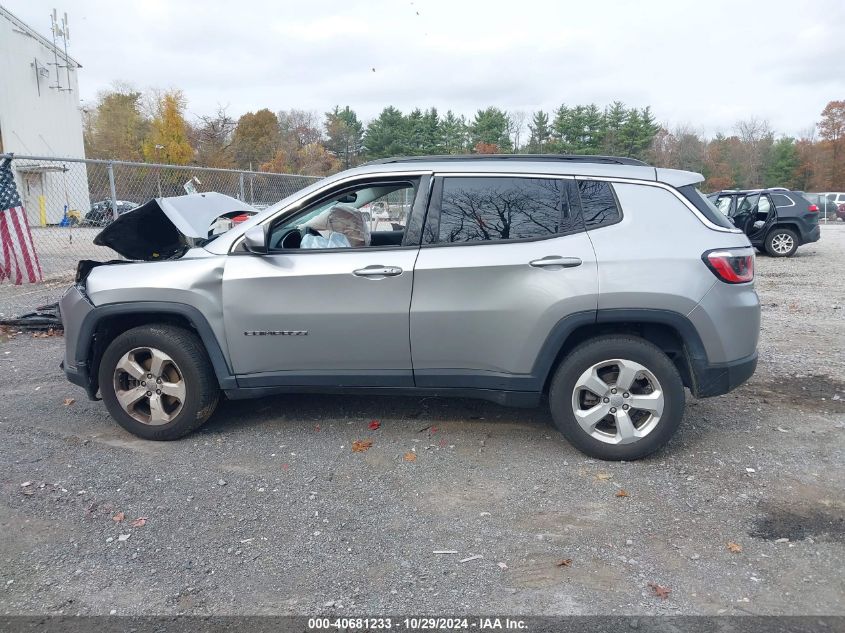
(486, 209)
(781, 200)
(598, 204)
(706, 207)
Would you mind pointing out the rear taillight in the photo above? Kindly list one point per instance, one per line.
(732, 267)
(813, 208)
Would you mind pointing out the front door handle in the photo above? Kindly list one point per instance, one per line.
(554, 261)
(378, 271)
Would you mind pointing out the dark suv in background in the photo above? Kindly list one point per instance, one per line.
(775, 220)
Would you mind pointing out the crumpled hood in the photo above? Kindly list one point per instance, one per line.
(164, 228)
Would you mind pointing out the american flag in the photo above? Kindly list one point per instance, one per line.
(19, 263)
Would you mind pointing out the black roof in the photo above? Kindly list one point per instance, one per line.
(572, 158)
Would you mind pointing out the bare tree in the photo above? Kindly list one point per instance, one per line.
(212, 138)
(757, 139)
(516, 126)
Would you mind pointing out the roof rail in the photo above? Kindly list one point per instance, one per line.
(571, 158)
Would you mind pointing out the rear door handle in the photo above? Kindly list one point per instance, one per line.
(555, 261)
(377, 271)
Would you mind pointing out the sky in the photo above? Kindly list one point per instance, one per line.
(703, 64)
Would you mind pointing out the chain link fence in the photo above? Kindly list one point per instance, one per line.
(69, 200)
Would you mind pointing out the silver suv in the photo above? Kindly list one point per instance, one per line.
(601, 283)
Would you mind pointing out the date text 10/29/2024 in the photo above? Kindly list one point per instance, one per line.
(417, 624)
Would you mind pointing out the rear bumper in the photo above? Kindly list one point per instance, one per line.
(812, 235)
(717, 379)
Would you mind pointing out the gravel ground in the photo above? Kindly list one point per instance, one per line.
(267, 510)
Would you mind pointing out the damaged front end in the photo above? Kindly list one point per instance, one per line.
(165, 228)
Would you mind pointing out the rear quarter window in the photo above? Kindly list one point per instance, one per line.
(598, 204)
(782, 200)
(705, 206)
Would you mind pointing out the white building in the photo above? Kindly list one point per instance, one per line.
(40, 115)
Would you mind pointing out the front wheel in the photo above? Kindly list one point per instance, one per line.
(157, 381)
(781, 243)
(617, 398)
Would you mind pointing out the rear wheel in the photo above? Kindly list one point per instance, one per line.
(617, 397)
(157, 382)
(781, 243)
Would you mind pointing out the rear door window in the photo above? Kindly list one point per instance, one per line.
(488, 209)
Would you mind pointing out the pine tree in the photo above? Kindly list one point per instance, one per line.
(490, 128)
(783, 165)
(386, 135)
(541, 132)
(344, 134)
(454, 132)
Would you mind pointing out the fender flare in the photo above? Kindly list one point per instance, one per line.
(690, 338)
(190, 313)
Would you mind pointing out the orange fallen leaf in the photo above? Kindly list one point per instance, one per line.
(410, 456)
(622, 493)
(359, 446)
(374, 425)
(117, 518)
(69, 401)
(564, 562)
(659, 590)
(735, 548)
(139, 522)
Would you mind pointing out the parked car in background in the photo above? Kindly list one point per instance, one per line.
(827, 208)
(776, 220)
(836, 198)
(102, 213)
(532, 277)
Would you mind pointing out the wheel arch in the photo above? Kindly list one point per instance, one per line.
(785, 224)
(105, 322)
(671, 331)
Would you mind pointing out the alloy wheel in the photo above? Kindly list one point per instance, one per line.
(149, 386)
(782, 243)
(617, 401)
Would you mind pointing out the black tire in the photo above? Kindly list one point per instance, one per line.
(188, 354)
(783, 233)
(606, 348)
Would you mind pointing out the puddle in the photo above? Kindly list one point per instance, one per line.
(799, 522)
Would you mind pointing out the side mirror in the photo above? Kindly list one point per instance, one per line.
(255, 240)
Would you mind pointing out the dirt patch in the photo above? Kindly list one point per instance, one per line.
(816, 393)
(797, 522)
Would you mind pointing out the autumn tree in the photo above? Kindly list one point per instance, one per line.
(345, 135)
(167, 139)
(832, 133)
(311, 159)
(256, 138)
(298, 128)
(680, 149)
(114, 128)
